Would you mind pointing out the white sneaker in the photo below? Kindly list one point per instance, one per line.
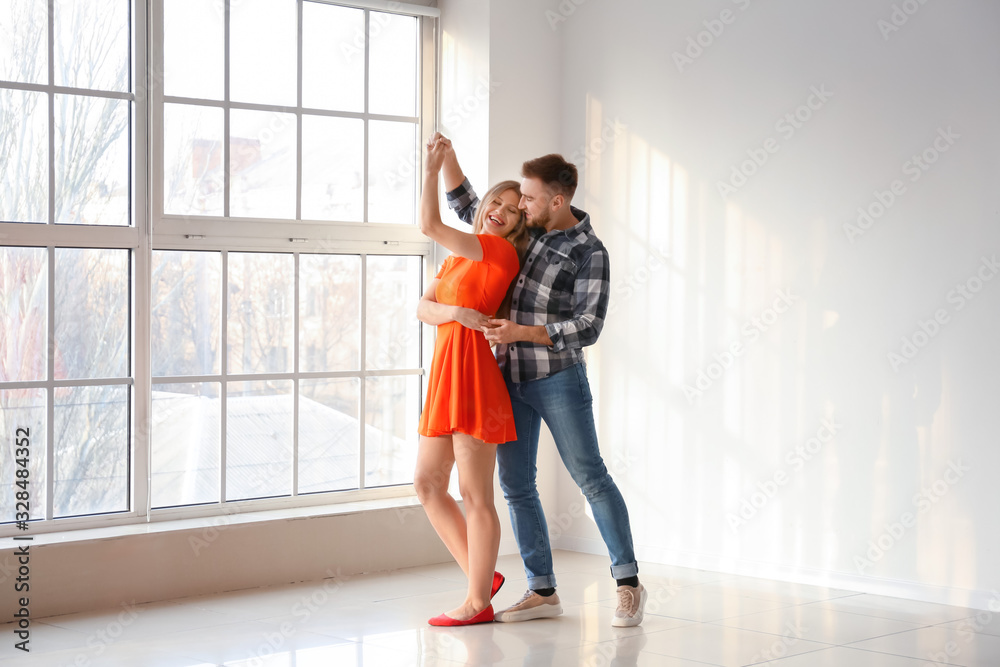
(631, 604)
(530, 606)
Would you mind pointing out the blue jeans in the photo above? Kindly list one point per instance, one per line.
(564, 401)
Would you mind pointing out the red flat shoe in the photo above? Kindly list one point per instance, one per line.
(498, 580)
(485, 616)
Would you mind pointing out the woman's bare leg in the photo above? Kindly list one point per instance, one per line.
(476, 463)
(435, 459)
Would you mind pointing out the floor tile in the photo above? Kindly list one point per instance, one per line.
(244, 640)
(949, 645)
(847, 657)
(984, 622)
(347, 655)
(259, 603)
(132, 622)
(821, 624)
(354, 620)
(767, 589)
(731, 647)
(131, 654)
(43, 638)
(913, 611)
(621, 653)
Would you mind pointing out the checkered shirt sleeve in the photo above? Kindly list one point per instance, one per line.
(463, 201)
(589, 303)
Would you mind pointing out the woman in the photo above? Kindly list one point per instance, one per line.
(467, 413)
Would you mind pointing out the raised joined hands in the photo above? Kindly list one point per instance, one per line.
(438, 150)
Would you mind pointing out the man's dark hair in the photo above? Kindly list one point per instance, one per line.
(558, 175)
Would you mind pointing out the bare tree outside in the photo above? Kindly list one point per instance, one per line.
(75, 169)
(89, 142)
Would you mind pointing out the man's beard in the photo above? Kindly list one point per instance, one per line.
(539, 221)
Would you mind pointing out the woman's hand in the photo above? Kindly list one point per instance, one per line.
(436, 153)
(453, 176)
(470, 319)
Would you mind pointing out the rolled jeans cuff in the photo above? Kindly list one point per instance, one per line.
(545, 581)
(624, 571)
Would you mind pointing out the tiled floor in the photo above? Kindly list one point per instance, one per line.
(693, 618)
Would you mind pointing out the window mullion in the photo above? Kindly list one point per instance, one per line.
(298, 116)
(50, 409)
(226, 180)
(52, 113)
(295, 377)
(363, 354)
(364, 168)
(224, 368)
(140, 183)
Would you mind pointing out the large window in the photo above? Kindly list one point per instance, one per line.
(215, 304)
(312, 106)
(67, 128)
(276, 409)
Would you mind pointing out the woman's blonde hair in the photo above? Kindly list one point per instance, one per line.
(518, 236)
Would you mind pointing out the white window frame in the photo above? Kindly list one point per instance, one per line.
(132, 238)
(296, 237)
(150, 229)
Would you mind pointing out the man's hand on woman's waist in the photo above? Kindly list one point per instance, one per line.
(505, 331)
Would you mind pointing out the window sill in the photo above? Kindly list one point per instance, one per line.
(217, 521)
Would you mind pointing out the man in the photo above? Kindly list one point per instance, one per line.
(558, 306)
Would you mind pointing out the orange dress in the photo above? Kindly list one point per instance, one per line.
(465, 390)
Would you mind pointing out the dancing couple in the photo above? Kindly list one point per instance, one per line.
(533, 280)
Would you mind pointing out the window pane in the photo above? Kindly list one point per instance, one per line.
(24, 156)
(24, 280)
(91, 450)
(333, 165)
(92, 313)
(186, 306)
(392, 163)
(24, 41)
(392, 330)
(22, 409)
(261, 312)
(329, 312)
(193, 178)
(262, 164)
(258, 439)
(92, 44)
(193, 48)
(329, 435)
(186, 444)
(333, 57)
(392, 75)
(92, 160)
(391, 416)
(263, 44)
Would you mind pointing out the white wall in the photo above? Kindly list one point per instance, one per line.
(525, 66)
(465, 82)
(692, 270)
(498, 102)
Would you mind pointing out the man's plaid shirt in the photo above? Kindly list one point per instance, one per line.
(563, 286)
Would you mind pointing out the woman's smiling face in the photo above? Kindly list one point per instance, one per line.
(501, 214)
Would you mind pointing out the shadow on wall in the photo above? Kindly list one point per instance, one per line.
(784, 408)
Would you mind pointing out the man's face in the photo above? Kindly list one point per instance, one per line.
(535, 200)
